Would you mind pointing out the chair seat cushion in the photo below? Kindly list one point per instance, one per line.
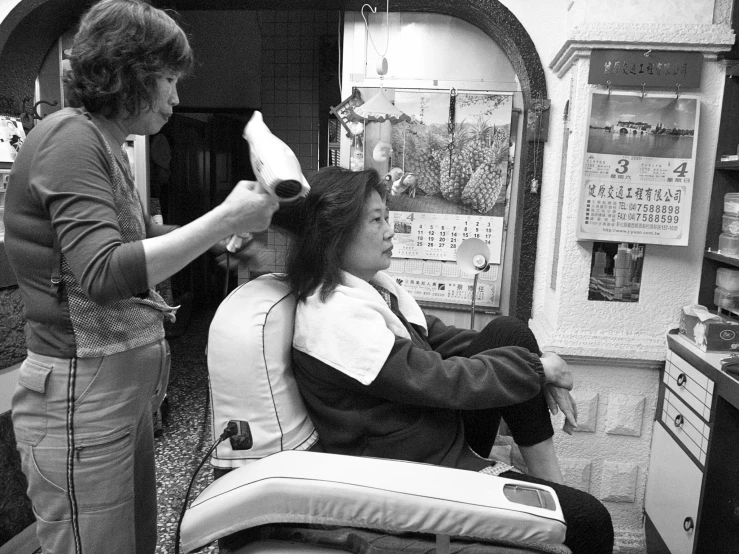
(386, 495)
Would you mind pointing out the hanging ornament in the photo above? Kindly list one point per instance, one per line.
(381, 66)
(379, 108)
(381, 63)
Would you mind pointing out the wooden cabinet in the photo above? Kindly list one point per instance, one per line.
(692, 496)
(679, 449)
(673, 492)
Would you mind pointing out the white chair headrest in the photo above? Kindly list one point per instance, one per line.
(251, 378)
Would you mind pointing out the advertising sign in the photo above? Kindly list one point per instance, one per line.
(639, 168)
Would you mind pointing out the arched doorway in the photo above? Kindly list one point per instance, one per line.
(31, 27)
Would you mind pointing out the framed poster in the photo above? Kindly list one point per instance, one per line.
(639, 168)
(12, 136)
(460, 191)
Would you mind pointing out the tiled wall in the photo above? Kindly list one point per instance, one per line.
(290, 95)
(608, 455)
(290, 77)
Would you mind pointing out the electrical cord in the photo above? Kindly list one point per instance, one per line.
(228, 274)
(229, 431)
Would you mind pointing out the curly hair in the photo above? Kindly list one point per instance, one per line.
(330, 216)
(120, 50)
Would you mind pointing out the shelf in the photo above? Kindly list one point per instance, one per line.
(729, 260)
(727, 166)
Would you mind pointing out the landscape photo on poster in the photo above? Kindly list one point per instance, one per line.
(654, 127)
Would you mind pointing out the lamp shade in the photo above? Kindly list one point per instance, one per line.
(379, 108)
(473, 255)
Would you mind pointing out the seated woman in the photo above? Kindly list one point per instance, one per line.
(381, 378)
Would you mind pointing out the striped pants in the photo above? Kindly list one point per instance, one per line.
(84, 432)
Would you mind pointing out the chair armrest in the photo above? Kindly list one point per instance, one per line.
(371, 493)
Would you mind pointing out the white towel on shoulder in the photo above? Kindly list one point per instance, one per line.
(354, 329)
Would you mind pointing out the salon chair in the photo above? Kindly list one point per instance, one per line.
(279, 496)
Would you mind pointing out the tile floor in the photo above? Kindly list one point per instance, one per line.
(185, 435)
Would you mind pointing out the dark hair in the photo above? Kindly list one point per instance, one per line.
(120, 50)
(330, 216)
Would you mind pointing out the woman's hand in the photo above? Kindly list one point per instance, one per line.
(250, 207)
(556, 371)
(247, 209)
(561, 399)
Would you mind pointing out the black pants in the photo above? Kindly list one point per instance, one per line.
(528, 421)
(589, 526)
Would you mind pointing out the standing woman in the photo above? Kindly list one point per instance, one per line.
(86, 259)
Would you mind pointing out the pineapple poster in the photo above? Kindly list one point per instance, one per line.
(455, 152)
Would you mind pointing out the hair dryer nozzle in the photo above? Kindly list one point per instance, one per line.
(288, 189)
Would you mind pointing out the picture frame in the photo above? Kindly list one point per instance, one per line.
(345, 110)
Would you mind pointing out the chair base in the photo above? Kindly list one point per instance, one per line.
(288, 539)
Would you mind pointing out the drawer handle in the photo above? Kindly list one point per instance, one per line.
(688, 524)
(681, 379)
(679, 420)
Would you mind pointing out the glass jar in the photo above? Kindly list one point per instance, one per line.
(728, 245)
(727, 279)
(730, 223)
(731, 203)
(726, 299)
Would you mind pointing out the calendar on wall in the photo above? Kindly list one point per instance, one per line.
(429, 236)
(639, 168)
(457, 151)
(439, 281)
(424, 254)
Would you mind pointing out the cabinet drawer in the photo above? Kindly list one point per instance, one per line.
(690, 429)
(673, 493)
(693, 387)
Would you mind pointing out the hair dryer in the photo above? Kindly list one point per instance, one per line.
(275, 165)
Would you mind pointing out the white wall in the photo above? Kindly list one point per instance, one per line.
(6, 6)
(563, 318)
(431, 51)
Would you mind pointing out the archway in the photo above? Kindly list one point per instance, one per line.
(32, 26)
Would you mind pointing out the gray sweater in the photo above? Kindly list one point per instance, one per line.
(66, 186)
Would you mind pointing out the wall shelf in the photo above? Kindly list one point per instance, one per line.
(727, 166)
(717, 257)
(725, 180)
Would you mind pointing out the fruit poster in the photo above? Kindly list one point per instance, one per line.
(449, 179)
(639, 168)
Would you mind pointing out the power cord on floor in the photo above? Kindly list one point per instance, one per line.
(231, 430)
(228, 274)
